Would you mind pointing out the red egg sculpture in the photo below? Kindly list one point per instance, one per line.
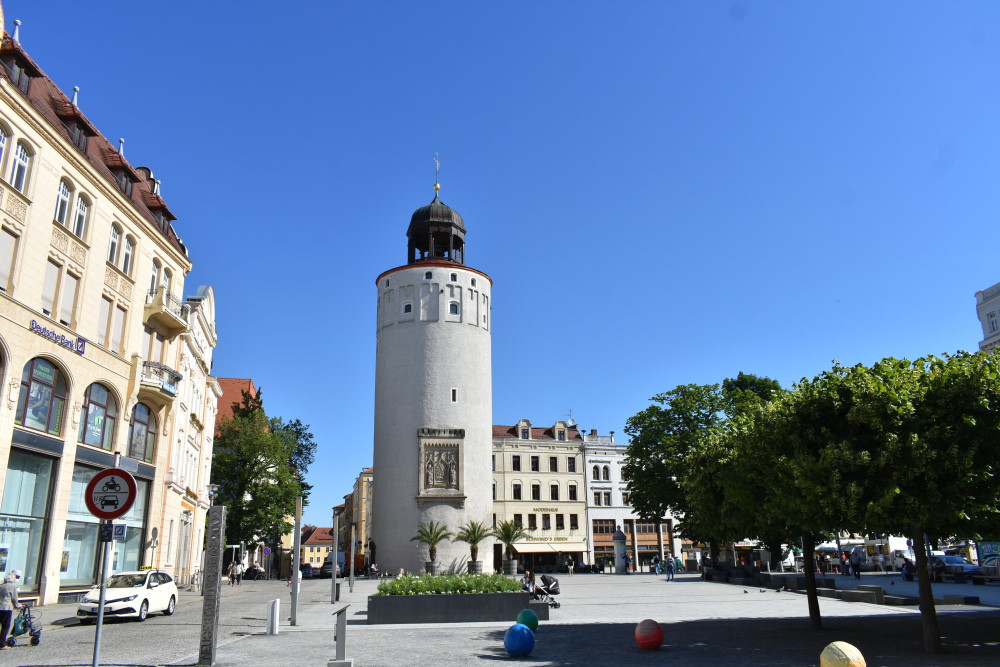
(649, 634)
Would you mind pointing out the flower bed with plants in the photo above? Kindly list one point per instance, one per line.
(449, 583)
(453, 598)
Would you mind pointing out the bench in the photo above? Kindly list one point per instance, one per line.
(854, 595)
(960, 599)
(901, 600)
(341, 639)
(878, 591)
(826, 592)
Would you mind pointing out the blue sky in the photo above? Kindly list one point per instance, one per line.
(663, 192)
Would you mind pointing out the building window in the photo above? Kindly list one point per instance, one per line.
(454, 277)
(515, 463)
(607, 473)
(142, 433)
(597, 498)
(453, 308)
(80, 216)
(407, 307)
(42, 399)
(574, 522)
(49, 287)
(536, 491)
(571, 464)
(532, 522)
(524, 434)
(19, 170)
(602, 526)
(517, 520)
(154, 277)
(494, 490)
(118, 330)
(554, 492)
(116, 236)
(572, 491)
(427, 276)
(534, 464)
(560, 522)
(127, 255)
(992, 317)
(454, 395)
(104, 322)
(8, 250)
(473, 282)
(167, 277)
(561, 435)
(62, 202)
(516, 492)
(624, 497)
(67, 301)
(553, 464)
(607, 498)
(3, 142)
(494, 463)
(98, 417)
(597, 473)
(546, 522)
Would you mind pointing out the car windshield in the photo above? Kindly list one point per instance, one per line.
(953, 560)
(126, 580)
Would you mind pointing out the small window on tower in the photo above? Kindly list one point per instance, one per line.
(427, 276)
(454, 277)
(453, 309)
(473, 282)
(407, 307)
(454, 395)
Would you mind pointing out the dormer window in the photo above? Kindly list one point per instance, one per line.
(561, 434)
(18, 74)
(124, 182)
(525, 434)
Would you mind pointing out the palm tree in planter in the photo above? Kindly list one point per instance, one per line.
(431, 534)
(472, 534)
(509, 532)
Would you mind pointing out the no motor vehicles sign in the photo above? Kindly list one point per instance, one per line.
(110, 493)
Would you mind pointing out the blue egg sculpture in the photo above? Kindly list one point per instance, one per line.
(519, 640)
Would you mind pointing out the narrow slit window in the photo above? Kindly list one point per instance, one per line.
(454, 395)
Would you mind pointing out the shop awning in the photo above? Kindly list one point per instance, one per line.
(550, 547)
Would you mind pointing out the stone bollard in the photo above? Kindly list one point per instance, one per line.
(273, 614)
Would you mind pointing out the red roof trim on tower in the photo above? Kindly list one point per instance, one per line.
(433, 262)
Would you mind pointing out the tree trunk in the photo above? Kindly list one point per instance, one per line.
(474, 551)
(809, 568)
(774, 547)
(932, 638)
(433, 553)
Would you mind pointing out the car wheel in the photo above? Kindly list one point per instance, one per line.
(169, 611)
(143, 611)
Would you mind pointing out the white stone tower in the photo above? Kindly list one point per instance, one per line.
(433, 397)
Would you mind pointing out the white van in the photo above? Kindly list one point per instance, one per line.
(898, 555)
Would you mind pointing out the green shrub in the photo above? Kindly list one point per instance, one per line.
(449, 583)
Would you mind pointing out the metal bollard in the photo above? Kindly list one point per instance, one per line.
(273, 610)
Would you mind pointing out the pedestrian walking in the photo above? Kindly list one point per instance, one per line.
(656, 563)
(670, 569)
(232, 573)
(881, 563)
(239, 573)
(8, 603)
(627, 561)
(571, 567)
(856, 565)
(297, 575)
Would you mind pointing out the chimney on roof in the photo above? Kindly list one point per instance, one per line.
(76, 94)
(612, 437)
(17, 32)
(121, 147)
(593, 433)
(156, 187)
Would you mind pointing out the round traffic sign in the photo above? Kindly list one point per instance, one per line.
(267, 550)
(110, 493)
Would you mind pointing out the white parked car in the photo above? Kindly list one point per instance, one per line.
(131, 595)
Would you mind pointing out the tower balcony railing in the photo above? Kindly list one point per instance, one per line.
(167, 311)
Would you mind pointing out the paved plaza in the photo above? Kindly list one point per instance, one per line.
(705, 623)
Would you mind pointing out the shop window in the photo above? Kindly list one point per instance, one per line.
(142, 433)
(98, 417)
(23, 512)
(42, 400)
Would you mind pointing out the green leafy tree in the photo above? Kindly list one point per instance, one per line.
(303, 449)
(431, 534)
(472, 533)
(250, 465)
(507, 533)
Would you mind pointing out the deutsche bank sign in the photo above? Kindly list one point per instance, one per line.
(79, 345)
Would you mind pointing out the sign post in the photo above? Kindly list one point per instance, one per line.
(109, 495)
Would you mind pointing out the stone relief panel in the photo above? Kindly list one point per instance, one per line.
(440, 464)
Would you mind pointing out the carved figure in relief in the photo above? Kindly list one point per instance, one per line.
(452, 470)
(439, 471)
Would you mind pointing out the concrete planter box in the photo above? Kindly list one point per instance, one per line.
(454, 608)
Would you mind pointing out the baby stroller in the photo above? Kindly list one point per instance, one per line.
(546, 588)
(26, 623)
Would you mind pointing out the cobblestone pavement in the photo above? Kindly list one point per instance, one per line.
(705, 624)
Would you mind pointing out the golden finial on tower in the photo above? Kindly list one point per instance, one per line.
(437, 170)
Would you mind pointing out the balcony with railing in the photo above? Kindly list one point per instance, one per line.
(158, 381)
(167, 311)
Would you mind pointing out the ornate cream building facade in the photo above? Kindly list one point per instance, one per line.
(100, 357)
